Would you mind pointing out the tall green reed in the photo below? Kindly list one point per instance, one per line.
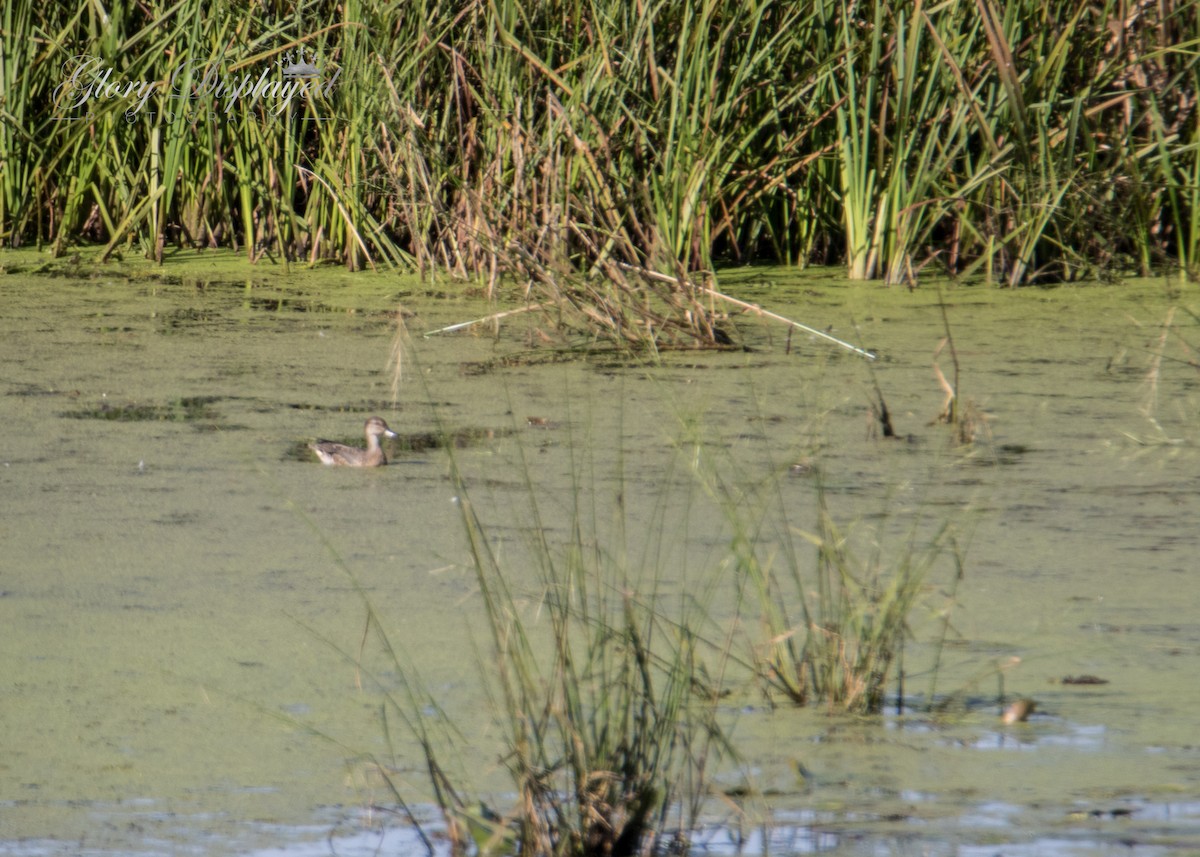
(590, 654)
(1022, 141)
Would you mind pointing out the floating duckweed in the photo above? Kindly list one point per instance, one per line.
(188, 409)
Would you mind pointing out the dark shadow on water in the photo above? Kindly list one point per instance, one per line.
(195, 410)
(408, 443)
(363, 406)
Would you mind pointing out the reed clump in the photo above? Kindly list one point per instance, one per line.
(1015, 142)
(607, 729)
(829, 628)
(609, 734)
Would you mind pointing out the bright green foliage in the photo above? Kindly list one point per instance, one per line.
(1022, 140)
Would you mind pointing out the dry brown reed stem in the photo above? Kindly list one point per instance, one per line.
(756, 309)
(947, 413)
(1150, 405)
(965, 417)
(486, 319)
(345, 214)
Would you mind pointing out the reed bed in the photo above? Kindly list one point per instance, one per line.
(1016, 142)
(613, 672)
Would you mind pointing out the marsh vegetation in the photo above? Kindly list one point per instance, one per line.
(612, 673)
(186, 578)
(1017, 142)
(600, 161)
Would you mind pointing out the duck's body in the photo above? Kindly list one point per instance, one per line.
(338, 454)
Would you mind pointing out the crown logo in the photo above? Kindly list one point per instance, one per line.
(300, 68)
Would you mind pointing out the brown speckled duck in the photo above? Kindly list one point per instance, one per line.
(351, 456)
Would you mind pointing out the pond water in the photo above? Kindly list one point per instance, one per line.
(181, 586)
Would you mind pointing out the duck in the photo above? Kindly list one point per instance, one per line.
(338, 454)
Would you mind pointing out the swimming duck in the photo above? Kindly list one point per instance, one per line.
(351, 456)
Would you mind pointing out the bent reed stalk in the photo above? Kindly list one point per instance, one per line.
(1023, 143)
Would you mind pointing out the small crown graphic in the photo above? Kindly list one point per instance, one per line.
(301, 68)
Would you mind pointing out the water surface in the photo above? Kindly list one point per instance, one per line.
(179, 603)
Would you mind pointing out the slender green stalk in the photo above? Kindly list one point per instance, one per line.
(607, 729)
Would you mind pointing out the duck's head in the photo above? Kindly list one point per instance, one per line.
(376, 427)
